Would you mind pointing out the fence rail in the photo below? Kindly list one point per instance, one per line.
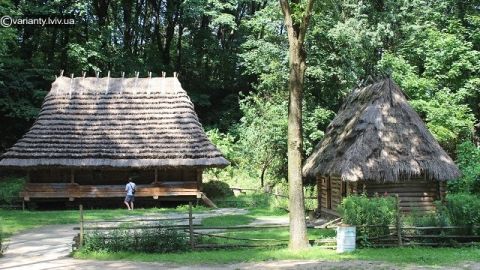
(199, 236)
(400, 235)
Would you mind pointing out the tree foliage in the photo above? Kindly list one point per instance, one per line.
(232, 57)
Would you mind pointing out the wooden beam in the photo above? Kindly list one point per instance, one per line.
(319, 193)
(329, 193)
(190, 225)
(199, 179)
(68, 190)
(72, 176)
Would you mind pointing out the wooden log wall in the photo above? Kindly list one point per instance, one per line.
(50, 176)
(109, 177)
(330, 191)
(416, 195)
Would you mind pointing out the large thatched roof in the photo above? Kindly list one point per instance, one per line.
(115, 122)
(377, 136)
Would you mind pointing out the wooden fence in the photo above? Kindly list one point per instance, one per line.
(398, 234)
(199, 236)
(150, 223)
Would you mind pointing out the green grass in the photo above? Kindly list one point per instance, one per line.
(13, 221)
(278, 233)
(402, 256)
(227, 220)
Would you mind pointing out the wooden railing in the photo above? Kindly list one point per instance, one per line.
(74, 190)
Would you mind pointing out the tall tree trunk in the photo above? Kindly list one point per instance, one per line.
(127, 6)
(296, 36)
(178, 63)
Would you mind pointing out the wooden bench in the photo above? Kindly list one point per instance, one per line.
(74, 190)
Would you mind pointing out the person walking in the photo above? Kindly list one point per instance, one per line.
(130, 189)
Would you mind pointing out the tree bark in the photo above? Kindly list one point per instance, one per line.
(127, 6)
(297, 57)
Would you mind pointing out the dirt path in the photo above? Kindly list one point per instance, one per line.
(49, 247)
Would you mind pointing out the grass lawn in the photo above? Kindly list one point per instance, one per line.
(227, 220)
(13, 221)
(417, 255)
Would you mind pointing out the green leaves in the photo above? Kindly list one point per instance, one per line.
(448, 120)
(468, 159)
(362, 210)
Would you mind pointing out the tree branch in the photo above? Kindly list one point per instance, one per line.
(287, 14)
(305, 21)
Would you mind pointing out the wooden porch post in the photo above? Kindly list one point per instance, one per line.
(319, 194)
(72, 177)
(329, 192)
(199, 179)
(190, 225)
(80, 244)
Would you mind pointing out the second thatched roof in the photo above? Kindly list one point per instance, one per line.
(115, 122)
(377, 136)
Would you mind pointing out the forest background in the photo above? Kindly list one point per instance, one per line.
(231, 56)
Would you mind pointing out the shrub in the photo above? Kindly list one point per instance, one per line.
(439, 218)
(468, 156)
(10, 189)
(463, 210)
(159, 240)
(254, 200)
(217, 189)
(361, 210)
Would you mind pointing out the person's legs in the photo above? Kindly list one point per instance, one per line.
(132, 199)
(131, 205)
(127, 201)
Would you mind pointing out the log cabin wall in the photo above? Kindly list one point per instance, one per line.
(49, 176)
(109, 177)
(60, 184)
(174, 175)
(330, 190)
(417, 194)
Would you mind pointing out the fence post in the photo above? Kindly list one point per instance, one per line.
(190, 225)
(398, 222)
(80, 244)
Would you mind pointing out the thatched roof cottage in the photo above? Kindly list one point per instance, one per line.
(94, 133)
(378, 144)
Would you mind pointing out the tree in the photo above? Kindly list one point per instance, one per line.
(296, 24)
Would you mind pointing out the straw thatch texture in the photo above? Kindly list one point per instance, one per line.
(377, 136)
(115, 122)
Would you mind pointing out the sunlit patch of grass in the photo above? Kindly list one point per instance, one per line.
(13, 221)
(401, 256)
(227, 220)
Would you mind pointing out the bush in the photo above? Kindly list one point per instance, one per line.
(463, 210)
(217, 189)
(361, 210)
(439, 218)
(254, 200)
(10, 189)
(468, 156)
(158, 240)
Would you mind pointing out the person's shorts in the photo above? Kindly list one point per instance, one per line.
(130, 198)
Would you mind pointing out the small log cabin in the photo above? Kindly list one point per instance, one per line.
(378, 144)
(94, 133)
